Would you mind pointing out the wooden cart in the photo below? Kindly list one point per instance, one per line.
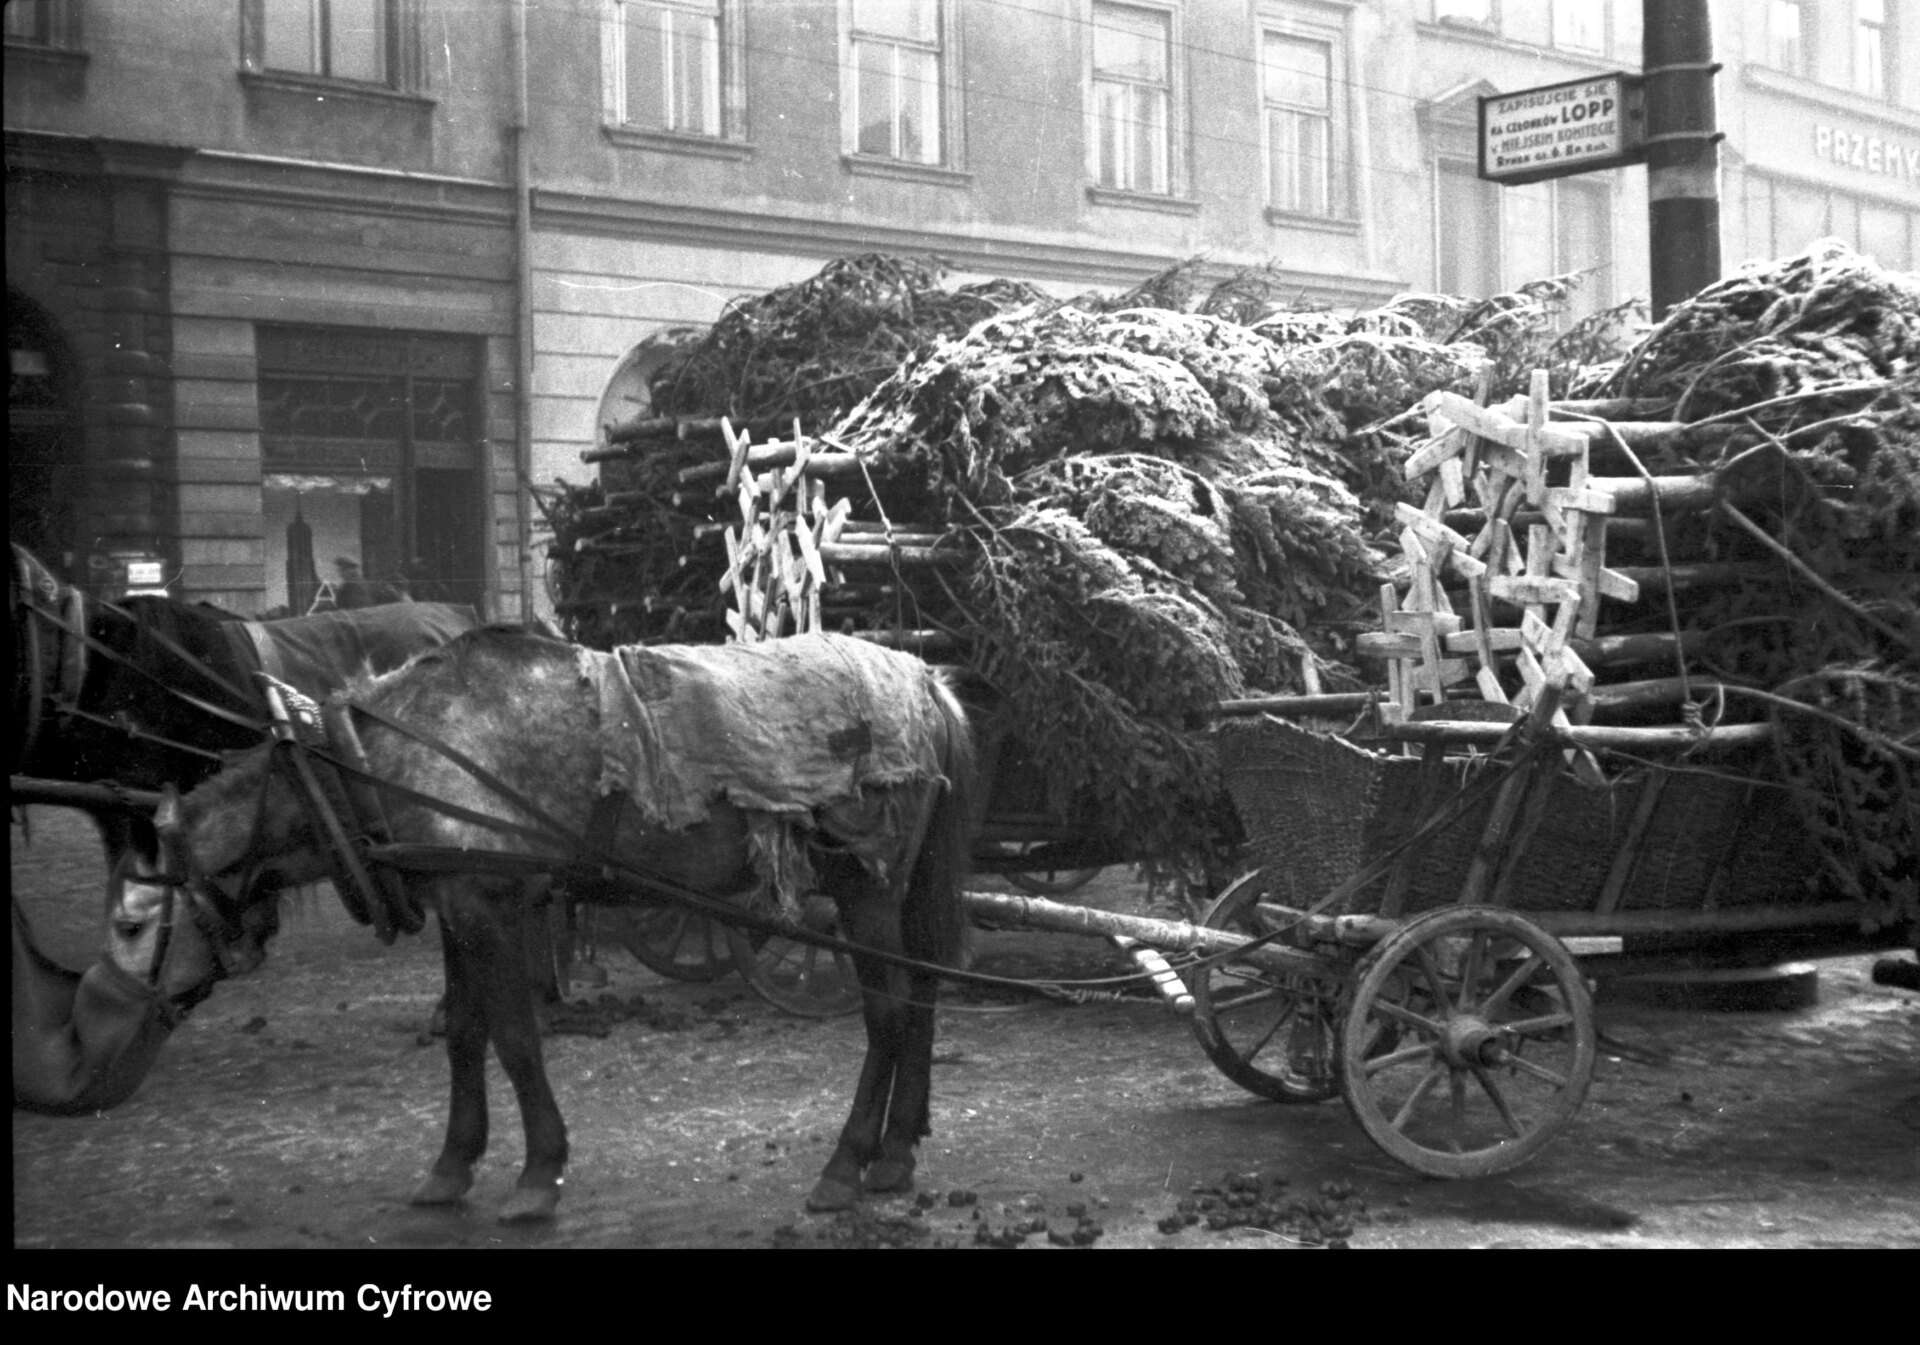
(1432, 889)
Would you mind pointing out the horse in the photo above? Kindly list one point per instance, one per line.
(153, 690)
(703, 773)
(145, 693)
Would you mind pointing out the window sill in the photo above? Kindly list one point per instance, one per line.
(66, 58)
(899, 170)
(1140, 200)
(678, 142)
(1292, 219)
(1775, 80)
(312, 86)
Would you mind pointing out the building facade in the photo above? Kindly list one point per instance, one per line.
(305, 290)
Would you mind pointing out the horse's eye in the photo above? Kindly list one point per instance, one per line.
(129, 929)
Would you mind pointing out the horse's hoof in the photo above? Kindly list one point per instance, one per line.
(530, 1204)
(438, 1189)
(890, 1176)
(830, 1194)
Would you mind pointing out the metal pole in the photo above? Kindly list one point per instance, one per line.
(1683, 158)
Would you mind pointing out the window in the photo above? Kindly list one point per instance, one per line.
(1467, 237)
(1583, 241)
(894, 80)
(1783, 218)
(670, 60)
(1304, 164)
(1572, 25)
(1132, 99)
(43, 23)
(1786, 43)
(1579, 25)
(1490, 238)
(1478, 12)
(350, 40)
(1870, 48)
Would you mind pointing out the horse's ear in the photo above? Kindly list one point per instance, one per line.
(166, 817)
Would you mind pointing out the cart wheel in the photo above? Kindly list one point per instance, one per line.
(671, 940)
(1274, 1034)
(801, 978)
(1468, 1041)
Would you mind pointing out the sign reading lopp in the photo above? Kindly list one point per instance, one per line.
(1560, 129)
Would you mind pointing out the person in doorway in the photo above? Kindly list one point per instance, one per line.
(355, 590)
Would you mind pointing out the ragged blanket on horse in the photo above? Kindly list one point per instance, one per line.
(321, 653)
(808, 732)
(783, 727)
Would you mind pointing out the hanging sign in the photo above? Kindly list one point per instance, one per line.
(1557, 130)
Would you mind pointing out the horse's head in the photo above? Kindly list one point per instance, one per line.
(196, 898)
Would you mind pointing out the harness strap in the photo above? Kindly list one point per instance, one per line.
(366, 807)
(555, 829)
(364, 901)
(76, 642)
(30, 634)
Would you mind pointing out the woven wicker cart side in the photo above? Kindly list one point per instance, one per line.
(1318, 809)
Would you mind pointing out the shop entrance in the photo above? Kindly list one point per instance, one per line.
(371, 454)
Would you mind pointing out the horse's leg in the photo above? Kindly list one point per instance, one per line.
(515, 1030)
(882, 994)
(910, 1109)
(919, 917)
(466, 1029)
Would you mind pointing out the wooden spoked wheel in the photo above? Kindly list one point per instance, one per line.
(800, 977)
(1275, 1034)
(672, 940)
(1467, 1042)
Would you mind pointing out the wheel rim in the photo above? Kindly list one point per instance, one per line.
(802, 978)
(1275, 1034)
(1468, 1042)
(674, 941)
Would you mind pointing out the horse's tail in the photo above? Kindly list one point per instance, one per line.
(933, 917)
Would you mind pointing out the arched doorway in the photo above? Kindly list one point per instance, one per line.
(43, 436)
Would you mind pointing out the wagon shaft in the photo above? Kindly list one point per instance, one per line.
(1177, 936)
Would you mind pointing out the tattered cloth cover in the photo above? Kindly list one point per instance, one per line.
(321, 653)
(805, 731)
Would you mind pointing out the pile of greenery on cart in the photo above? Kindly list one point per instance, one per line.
(1811, 367)
(1151, 502)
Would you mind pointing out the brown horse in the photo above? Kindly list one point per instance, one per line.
(739, 771)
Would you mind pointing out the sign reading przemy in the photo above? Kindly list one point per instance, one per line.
(1558, 129)
(1867, 153)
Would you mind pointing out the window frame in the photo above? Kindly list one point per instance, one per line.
(946, 122)
(727, 73)
(1173, 141)
(403, 57)
(1338, 179)
(57, 30)
(1879, 87)
(1800, 65)
(1493, 22)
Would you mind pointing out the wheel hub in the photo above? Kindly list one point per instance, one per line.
(1471, 1041)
